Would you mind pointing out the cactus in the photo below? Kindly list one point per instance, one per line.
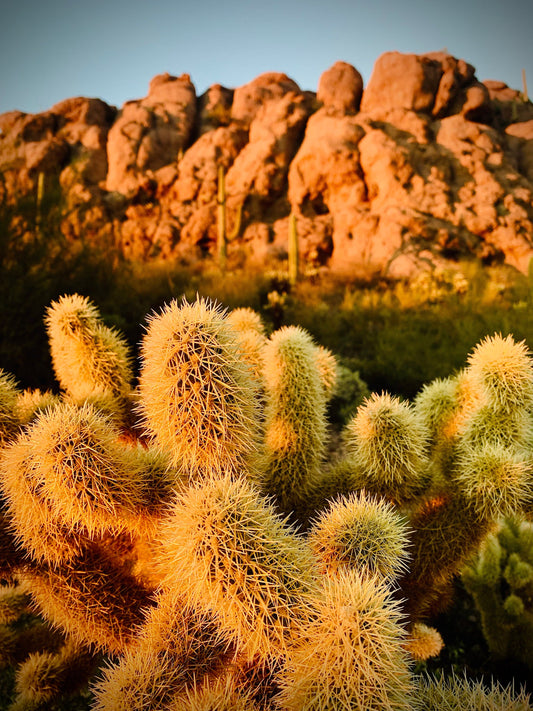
(165, 549)
(350, 655)
(222, 230)
(293, 251)
(295, 418)
(89, 359)
(482, 479)
(455, 693)
(363, 533)
(251, 337)
(9, 394)
(226, 551)
(424, 642)
(388, 442)
(46, 676)
(500, 580)
(175, 649)
(197, 396)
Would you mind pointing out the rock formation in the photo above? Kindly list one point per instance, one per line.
(424, 165)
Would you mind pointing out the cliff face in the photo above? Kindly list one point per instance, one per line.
(424, 165)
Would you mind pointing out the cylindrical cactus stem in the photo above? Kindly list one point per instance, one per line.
(423, 642)
(93, 599)
(388, 441)
(250, 334)
(293, 250)
(9, 420)
(30, 525)
(327, 368)
(438, 405)
(351, 653)
(197, 394)
(89, 359)
(31, 403)
(14, 601)
(503, 371)
(45, 677)
(77, 472)
(229, 553)
(360, 532)
(500, 580)
(295, 419)
(176, 648)
(488, 483)
(222, 238)
(451, 692)
(18, 642)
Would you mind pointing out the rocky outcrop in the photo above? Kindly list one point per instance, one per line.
(424, 166)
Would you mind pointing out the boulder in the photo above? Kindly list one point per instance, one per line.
(250, 98)
(151, 132)
(405, 81)
(340, 88)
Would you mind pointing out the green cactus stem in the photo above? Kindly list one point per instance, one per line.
(293, 251)
(223, 236)
(500, 579)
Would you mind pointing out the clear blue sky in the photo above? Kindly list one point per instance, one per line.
(54, 49)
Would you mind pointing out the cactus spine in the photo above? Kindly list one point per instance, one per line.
(295, 418)
(228, 552)
(197, 395)
(90, 360)
(166, 552)
(350, 655)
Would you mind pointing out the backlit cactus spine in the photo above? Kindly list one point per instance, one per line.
(90, 360)
(487, 473)
(387, 442)
(197, 394)
(228, 553)
(9, 394)
(295, 419)
(500, 579)
(350, 655)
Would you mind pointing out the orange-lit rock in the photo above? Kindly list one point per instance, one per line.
(424, 166)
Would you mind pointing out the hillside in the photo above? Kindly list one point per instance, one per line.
(424, 165)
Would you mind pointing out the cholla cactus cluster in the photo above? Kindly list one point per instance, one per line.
(500, 578)
(192, 543)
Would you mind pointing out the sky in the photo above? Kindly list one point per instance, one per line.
(51, 50)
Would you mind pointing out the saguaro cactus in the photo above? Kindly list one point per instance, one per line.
(223, 237)
(293, 251)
